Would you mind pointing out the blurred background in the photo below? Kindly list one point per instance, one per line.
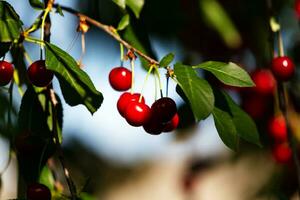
(109, 159)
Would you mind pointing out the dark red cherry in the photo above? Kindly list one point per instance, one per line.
(277, 128)
(264, 81)
(297, 8)
(39, 75)
(283, 68)
(282, 153)
(37, 191)
(6, 72)
(125, 99)
(153, 126)
(137, 114)
(164, 109)
(172, 125)
(120, 78)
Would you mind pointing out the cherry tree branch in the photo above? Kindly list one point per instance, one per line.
(110, 30)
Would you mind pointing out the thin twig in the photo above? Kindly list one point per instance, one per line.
(111, 31)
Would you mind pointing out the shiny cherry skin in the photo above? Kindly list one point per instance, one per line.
(137, 113)
(277, 128)
(6, 72)
(153, 126)
(264, 81)
(172, 125)
(120, 78)
(164, 109)
(37, 191)
(283, 68)
(39, 75)
(282, 153)
(125, 99)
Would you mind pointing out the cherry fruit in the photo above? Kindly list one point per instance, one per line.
(164, 109)
(297, 8)
(172, 125)
(264, 81)
(39, 75)
(37, 191)
(120, 78)
(153, 126)
(125, 99)
(282, 153)
(283, 68)
(277, 128)
(137, 113)
(6, 72)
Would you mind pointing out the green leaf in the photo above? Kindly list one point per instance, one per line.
(124, 22)
(59, 11)
(136, 6)
(10, 24)
(166, 60)
(228, 73)
(226, 128)
(77, 87)
(245, 126)
(37, 4)
(17, 53)
(46, 178)
(120, 3)
(196, 89)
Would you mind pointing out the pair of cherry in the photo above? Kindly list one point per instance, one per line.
(161, 117)
(37, 72)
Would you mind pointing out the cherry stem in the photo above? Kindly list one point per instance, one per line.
(121, 54)
(145, 81)
(159, 82)
(75, 38)
(280, 44)
(10, 90)
(132, 75)
(155, 82)
(47, 10)
(167, 86)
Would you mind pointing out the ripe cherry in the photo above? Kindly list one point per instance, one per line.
(283, 68)
(297, 8)
(137, 113)
(125, 99)
(282, 153)
(153, 126)
(37, 191)
(120, 78)
(6, 72)
(264, 81)
(164, 109)
(38, 74)
(172, 125)
(277, 128)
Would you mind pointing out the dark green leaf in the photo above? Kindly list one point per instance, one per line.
(76, 86)
(17, 53)
(37, 4)
(59, 10)
(10, 24)
(4, 48)
(47, 178)
(226, 128)
(196, 89)
(166, 60)
(136, 6)
(228, 73)
(245, 126)
(124, 22)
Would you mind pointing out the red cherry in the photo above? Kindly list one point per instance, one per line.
(125, 99)
(172, 125)
(137, 113)
(120, 78)
(6, 72)
(164, 109)
(297, 8)
(153, 126)
(38, 74)
(37, 191)
(264, 81)
(282, 153)
(277, 128)
(283, 68)
(257, 106)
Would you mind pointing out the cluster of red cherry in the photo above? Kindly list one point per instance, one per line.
(161, 117)
(37, 73)
(258, 100)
